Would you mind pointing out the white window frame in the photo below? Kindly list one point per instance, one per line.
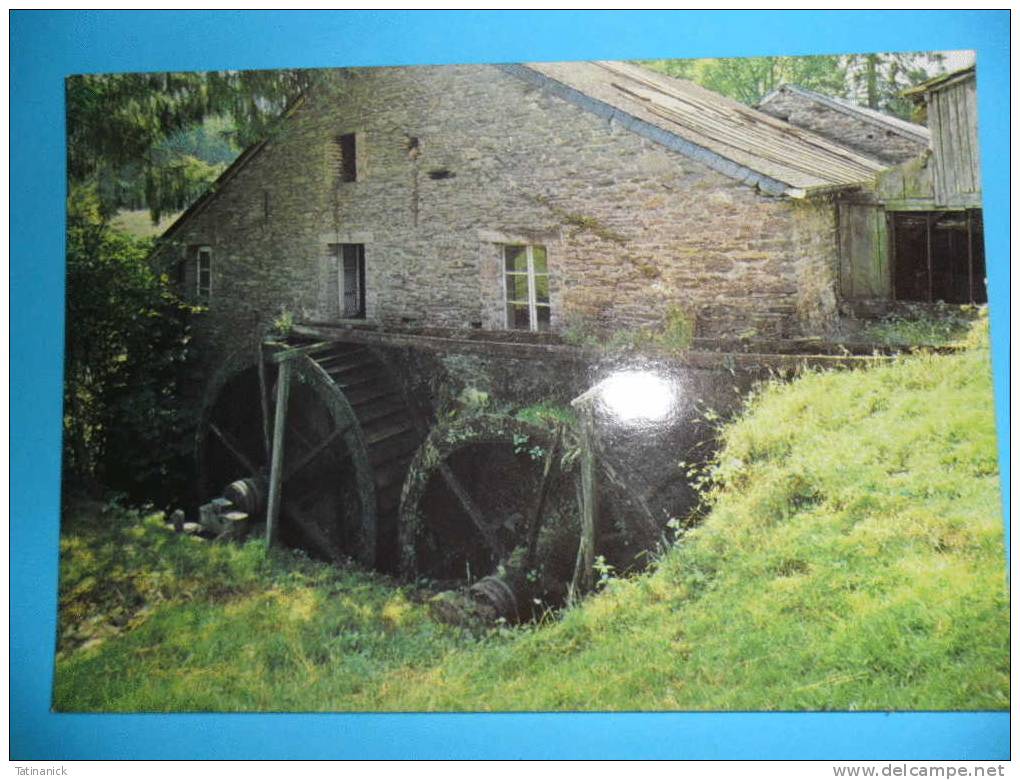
(532, 302)
(205, 293)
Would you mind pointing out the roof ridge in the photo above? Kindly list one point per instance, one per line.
(920, 132)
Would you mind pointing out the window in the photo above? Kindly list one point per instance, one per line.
(350, 265)
(203, 272)
(347, 150)
(526, 275)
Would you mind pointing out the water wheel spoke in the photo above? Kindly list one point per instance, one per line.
(235, 449)
(313, 453)
(308, 528)
(485, 528)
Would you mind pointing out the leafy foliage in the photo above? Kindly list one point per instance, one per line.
(876, 80)
(127, 350)
(128, 133)
(873, 80)
(749, 79)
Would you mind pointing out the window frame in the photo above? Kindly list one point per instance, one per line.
(203, 292)
(532, 302)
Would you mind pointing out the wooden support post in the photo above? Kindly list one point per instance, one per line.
(264, 399)
(927, 244)
(891, 252)
(543, 491)
(276, 465)
(970, 257)
(584, 567)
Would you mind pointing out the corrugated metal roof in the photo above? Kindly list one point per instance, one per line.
(914, 131)
(803, 162)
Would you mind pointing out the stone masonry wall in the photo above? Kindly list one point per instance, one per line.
(455, 161)
(816, 245)
(862, 136)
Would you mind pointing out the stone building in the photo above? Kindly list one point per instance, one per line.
(433, 234)
(590, 196)
(872, 133)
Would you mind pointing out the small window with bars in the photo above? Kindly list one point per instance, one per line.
(350, 265)
(347, 150)
(526, 277)
(203, 272)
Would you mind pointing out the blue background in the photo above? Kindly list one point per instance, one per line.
(46, 46)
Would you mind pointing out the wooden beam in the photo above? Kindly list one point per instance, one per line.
(543, 491)
(235, 449)
(970, 256)
(276, 465)
(584, 566)
(473, 510)
(289, 353)
(315, 452)
(264, 400)
(311, 531)
(927, 237)
(891, 250)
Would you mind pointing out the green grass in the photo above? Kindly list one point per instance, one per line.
(851, 559)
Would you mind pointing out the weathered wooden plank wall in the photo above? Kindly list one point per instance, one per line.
(864, 248)
(952, 117)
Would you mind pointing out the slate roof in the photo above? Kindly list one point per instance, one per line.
(726, 135)
(913, 131)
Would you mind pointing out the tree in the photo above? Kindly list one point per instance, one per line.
(749, 79)
(119, 127)
(156, 140)
(873, 80)
(878, 80)
(126, 350)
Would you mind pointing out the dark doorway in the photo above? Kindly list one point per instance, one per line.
(938, 256)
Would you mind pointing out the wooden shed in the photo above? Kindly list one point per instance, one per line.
(950, 103)
(919, 237)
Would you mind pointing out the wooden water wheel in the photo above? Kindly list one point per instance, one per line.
(345, 439)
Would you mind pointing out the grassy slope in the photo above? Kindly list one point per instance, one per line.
(853, 560)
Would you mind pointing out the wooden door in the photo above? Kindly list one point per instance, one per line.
(864, 252)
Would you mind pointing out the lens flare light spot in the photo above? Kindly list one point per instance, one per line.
(638, 396)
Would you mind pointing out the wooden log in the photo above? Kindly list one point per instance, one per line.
(276, 465)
